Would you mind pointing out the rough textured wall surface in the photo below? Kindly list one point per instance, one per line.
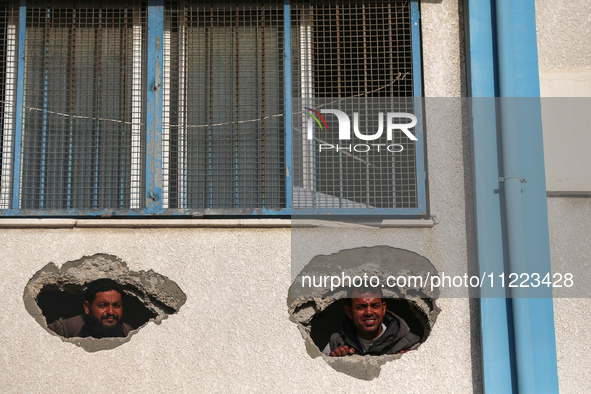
(570, 245)
(564, 35)
(443, 43)
(233, 334)
(564, 47)
(564, 51)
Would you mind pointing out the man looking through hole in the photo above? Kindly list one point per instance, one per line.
(369, 328)
(103, 314)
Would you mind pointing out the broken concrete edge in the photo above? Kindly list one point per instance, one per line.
(305, 303)
(359, 367)
(366, 367)
(150, 285)
(296, 297)
(302, 311)
(382, 261)
(92, 345)
(88, 344)
(152, 288)
(383, 256)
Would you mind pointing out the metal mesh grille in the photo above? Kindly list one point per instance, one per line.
(223, 135)
(354, 56)
(8, 76)
(223, 126)
(84, 105)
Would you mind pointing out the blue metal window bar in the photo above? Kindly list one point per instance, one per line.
(167, 157)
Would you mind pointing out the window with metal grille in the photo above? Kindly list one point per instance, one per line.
(8, 83)
(224, 123)
(170, 107)
(82, 107)
(357, 57)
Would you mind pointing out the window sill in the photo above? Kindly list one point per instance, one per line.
(144, 223)
(12, 223)
(386, 223)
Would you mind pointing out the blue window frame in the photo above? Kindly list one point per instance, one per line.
(163, 107)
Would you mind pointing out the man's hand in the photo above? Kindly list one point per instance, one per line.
(342, 351)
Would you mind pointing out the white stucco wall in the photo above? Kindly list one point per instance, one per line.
(567, 142)
(443, 58)
(570, 246)
(233, 334)
(564, 35)
(564, 47)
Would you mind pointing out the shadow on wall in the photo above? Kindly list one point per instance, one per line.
(55, 293)
(318, 310)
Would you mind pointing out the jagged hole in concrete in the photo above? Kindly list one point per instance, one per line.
(59, 292)
(319, 311)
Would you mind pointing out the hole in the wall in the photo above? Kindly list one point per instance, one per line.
(320, 311)
(328, 321)
(57, 304)
(55, 293)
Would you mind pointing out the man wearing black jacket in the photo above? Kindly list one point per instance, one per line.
(370, 328)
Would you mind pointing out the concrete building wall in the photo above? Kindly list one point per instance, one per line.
(570, 246)
(564, 42)
(234, 333)
(564, 47)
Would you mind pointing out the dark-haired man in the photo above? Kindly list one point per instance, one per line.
(103, 313)
(369, 328)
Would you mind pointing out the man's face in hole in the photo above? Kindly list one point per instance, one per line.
(104, 314)
(367, 313)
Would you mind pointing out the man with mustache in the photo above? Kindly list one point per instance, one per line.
(103, 313)
(370, 328)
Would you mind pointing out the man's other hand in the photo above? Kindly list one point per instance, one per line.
(342, 351)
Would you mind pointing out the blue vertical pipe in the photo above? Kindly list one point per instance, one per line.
(535, 209)
(20, 89)
(287, 95)
(537, 248)
(511, 188)
(154, 107)
(502, 61)
(495, 312)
